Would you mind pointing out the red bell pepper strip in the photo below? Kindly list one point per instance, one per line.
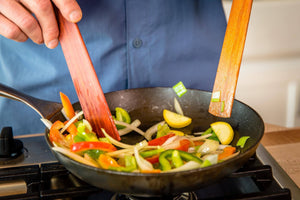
(184, 145)
(86, 145)
(159, 141)
(153, 159)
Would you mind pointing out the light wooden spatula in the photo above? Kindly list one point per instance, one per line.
(85, 80)
(230, 60)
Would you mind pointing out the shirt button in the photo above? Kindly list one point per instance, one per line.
(137, 43)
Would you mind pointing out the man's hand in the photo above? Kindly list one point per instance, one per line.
(35, 19)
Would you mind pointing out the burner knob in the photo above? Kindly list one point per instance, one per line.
(9, 147)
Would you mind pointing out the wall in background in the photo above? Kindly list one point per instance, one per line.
(269, 79)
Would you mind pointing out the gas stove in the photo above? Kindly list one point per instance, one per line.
(36, 174)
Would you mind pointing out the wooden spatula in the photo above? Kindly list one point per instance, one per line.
(230, 60)
(85, 80)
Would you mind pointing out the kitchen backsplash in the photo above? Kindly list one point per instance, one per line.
(269, 79)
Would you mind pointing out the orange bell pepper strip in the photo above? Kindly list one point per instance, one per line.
(227, 152)
(107, 162)
(55, 136)
(87, 145)
(67, 105)
(72, 132)
(151, 171)
(159, 141)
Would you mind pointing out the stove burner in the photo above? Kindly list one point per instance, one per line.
(182, 196)
(10, 149)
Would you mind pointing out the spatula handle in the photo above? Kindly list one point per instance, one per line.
(230, 60)
(85, 80)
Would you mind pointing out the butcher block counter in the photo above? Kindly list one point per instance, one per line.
(283, 144)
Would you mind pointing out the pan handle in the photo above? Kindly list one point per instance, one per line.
(46, 109)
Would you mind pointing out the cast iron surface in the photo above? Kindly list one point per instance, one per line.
(147, 105)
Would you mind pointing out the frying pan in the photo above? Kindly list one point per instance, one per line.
(147, 104)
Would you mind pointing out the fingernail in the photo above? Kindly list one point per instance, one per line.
(75, 16)
(52, 44)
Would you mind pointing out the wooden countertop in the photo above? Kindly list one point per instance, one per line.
(284, 146)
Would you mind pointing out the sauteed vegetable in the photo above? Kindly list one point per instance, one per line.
(163, 150)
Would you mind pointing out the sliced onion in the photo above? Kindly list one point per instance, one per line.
(153, 129)
(200, 137)
(126, 130)
(208, 146)
(74, 156)
(212, 158)
(121, 153)
(87, 125)
(198, 133)
(177, 106)
(223, 146)
(130, 126)
(47, 123)
(187, 166)
(141, 162)
(170, 140)
(115, 142)
(71, 121)
(64, 114)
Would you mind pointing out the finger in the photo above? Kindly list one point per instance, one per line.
(43, 11)
(20, 16)
(69, 9)
(10, 30)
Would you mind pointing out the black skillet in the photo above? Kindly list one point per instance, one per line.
(147, 104)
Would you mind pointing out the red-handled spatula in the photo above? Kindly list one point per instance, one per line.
(85, 80)
(230, 60)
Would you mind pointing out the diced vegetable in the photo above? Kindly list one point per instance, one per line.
(179, 89)
(122, 116)
(162, 130)
(177, 106)
(107, 162)
(83, 146)
(176, 120)
(56, 136)
(208, 146)
(160, 141)
(67, 106)
(224, 131)
(242, 141)
(227, 152)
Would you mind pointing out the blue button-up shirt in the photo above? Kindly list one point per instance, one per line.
(132, 43)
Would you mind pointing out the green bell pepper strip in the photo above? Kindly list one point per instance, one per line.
(89, 137)
(165, 164)
(242, 141)
(123, 116)
(83, 134)
(213, 136)
(150, 153)
(94, 153)
(176, 159)
(206, 163)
